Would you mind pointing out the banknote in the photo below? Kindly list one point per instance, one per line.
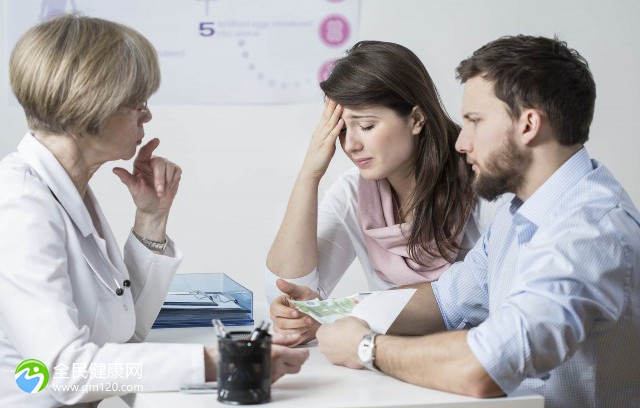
(328, 310)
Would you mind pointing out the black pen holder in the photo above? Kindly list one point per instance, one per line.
(244, 369)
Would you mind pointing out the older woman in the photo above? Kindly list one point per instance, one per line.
(67, 296)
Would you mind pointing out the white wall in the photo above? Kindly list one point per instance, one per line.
(240, 161)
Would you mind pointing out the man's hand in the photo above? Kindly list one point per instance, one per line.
(287, 319)
(339, 341)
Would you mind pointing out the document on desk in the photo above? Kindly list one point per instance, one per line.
(196, 299)
(379, 309)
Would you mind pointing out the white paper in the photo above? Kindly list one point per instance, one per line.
(199, 300)
(380, 309)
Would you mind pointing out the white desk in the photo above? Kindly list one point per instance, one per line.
(321, 384)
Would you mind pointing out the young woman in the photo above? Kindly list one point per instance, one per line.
(407, 212)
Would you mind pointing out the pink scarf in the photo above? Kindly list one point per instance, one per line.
(384, 240)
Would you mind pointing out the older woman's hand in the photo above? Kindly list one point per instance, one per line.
(153, 186)
(286, 360)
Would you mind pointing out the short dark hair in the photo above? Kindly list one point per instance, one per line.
(539, 73)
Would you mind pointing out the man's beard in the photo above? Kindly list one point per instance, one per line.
(503, 172)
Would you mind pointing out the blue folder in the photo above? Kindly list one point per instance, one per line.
(196, 298)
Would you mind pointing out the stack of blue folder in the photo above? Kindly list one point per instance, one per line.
(196, 298)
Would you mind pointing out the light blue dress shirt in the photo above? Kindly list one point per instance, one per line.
(551, 292)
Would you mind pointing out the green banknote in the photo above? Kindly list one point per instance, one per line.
(329, 310)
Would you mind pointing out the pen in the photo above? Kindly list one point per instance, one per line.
(256, 331)
(202, 388)
(260, 331)
(222, 332)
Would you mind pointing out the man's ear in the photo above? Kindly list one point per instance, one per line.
(417, 119)
(530, 125)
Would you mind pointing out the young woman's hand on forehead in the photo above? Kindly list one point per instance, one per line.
(323, 141)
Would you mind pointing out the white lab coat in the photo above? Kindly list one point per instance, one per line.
(54, 308)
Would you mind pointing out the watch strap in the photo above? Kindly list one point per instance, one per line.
(155, 246)
(370, 339)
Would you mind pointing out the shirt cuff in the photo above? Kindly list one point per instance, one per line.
(150, 273)
(447, 311)
(311, 280)
(496, 363)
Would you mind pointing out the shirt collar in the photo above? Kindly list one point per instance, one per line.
(546, 197)
(55, 176)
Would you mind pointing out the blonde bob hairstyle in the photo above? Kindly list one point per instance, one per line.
(72, 72)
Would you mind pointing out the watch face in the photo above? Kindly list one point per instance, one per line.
(365, 350)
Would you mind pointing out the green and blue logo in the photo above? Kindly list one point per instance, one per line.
(32, 376)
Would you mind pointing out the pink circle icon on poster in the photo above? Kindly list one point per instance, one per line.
(325, 70)
(334, 30)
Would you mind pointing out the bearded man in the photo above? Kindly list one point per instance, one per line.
(549, 298)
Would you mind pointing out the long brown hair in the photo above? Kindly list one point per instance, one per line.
(375, 73)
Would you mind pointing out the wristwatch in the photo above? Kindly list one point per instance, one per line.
(367, 351)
